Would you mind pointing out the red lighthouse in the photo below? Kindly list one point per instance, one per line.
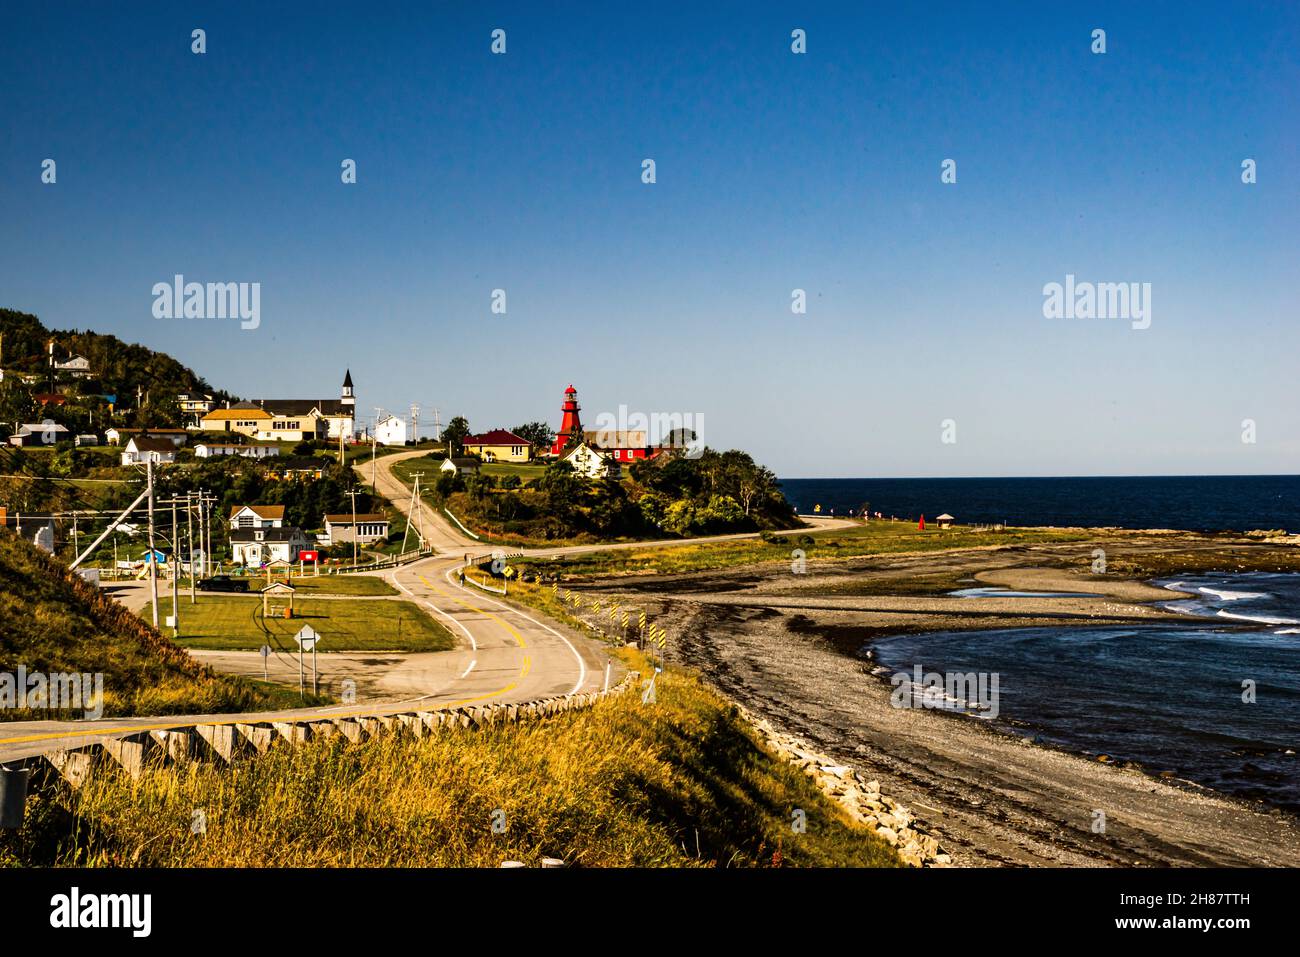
(570, 433)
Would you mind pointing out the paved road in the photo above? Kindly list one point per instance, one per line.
(505, 654)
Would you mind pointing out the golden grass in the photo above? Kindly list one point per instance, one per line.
(679, 783)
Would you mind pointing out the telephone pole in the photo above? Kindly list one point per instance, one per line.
(153, 562)
(415, 421)
(175, 567)
(176, 574)
(414, 512)
(189, 538)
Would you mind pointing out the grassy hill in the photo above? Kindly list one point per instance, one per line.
(52, 621)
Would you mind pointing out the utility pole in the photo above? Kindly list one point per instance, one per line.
(415, 421)
(153, 560)
(189, 537)
(353, 494)
(176, 574)
(205, 532)
(437, 426)
(414, 513)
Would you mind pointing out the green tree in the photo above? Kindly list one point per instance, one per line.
(538, 433)
(679, 517)
(453, 434)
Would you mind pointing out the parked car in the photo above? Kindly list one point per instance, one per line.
(223, 583)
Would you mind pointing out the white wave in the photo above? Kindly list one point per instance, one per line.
(1260, 619)
(1287, 631)
(1225, 595)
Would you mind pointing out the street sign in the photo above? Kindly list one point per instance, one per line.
(266, 651)
(306, 639)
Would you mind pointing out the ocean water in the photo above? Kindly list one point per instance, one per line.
(1197, 503)
(1169, 697)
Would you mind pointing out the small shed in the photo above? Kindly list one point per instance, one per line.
(277, 590)
(945, 520)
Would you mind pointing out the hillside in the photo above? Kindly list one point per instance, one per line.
(51, 621)
(119, 369)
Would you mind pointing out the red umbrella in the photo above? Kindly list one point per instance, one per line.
(921, 523)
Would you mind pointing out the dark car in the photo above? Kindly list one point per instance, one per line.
(222, 583)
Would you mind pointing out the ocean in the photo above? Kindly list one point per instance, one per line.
(1169, 697)
(1196, 503)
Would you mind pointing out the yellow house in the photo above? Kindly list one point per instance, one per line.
(246, 421)
(499, 445)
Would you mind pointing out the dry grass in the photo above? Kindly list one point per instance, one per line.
(682, 782)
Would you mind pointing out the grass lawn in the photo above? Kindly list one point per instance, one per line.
(875, 538)
(526, 472)
(405, 469)
(230, 622)
(331, 585)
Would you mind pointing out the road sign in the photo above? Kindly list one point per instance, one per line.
(307, 638)
(266, 651)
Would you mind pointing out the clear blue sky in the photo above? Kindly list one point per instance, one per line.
(775, 172)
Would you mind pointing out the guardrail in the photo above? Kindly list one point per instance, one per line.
(228, 742)
(403, 559)
(461, 524)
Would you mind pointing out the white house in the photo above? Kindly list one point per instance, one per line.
(146, 448)
(457, 465)
(76, 366)
(371, 527)
(390, 430)
(260, 546)
(116, 436)
(589, 462)
(256, 516)
(208, 450)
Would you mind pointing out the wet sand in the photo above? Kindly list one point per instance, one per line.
(789, 648)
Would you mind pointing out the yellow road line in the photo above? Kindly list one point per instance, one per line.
(527, 666)
(505, 624)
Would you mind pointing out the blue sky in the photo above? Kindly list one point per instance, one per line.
(775, 171)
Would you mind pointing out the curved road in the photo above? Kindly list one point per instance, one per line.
(505, 655)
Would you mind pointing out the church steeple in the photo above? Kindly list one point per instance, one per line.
(347, 397)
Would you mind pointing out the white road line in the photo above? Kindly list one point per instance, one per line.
(582, 665)
(456, 621)
(466, 672)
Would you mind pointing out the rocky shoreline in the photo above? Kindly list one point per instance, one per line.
(862, 800)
